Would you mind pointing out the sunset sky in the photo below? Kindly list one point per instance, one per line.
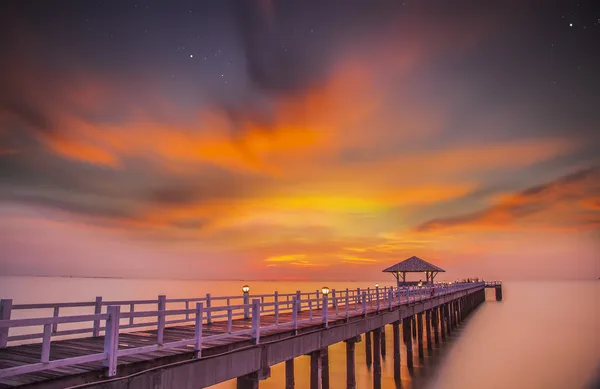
(299, 139)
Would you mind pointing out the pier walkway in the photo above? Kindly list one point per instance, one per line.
(198, 342)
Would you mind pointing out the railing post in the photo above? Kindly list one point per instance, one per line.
(357, 299)
(162, 304)
(5, 309)
(256, 320)
(208, 311)
(198, 330)
(276, 300)
(347, 304)
(377, 296)
(55, 324)
(369, 294)
(246, 303)
(390, 298)
(333, 299)
(325, 308)
(229, 320)
(97, 311)
(46, 344)
(317, 298)
(294, 314)
(299, 300)
(310, 312)
(364, 303)
(111, 339)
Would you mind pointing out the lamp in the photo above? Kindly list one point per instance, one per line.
(245, 289)
(325, 290)
(377, 285)
(420, 284)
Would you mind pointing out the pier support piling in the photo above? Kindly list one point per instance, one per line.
(377, 358)
(435, 317)
(383, 349)
(316, 370)
(428, 329)
(368, 349)
(406, 324)
(249, 381)
(351, 363)
(396, 332)
(498, 293)
(420, 335)
(413, 325)
(325, 368)
(289, 374)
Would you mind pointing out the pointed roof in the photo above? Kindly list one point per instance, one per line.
(413, 265)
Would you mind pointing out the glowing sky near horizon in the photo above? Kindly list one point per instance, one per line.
(299, 140)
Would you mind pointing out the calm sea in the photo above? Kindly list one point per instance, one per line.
(542, 335)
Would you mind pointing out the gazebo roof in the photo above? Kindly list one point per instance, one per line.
(413, 265)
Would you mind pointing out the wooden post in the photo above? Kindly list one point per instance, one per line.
(198, 330)
(333, 299)
(276, 307)
(414, 327)
(315, 370)
(396, 331)
(294, 315)
(350, 364)
(324, 310)
(55, 324)
(97, 311)
(406, 324)
(435, 325)
(377, 297)
(377, 358)
(256, 320)
(442, 319)
(299, 300)
(162, 303)
(111, 339)
(5, 310)
(289, 374)
(246, 302)
(249, 381)
(428, 329)
(368, 349)
(46, 343)
(208, 310)
(325, 368)
(364, 303)
(420, 335)
(498, 290)
(383, 348)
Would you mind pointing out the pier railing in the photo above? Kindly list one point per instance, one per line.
(110, 318)
(491, 284)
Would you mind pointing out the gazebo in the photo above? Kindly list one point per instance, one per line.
(413, 265)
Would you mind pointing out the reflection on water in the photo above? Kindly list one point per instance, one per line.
(543, 335)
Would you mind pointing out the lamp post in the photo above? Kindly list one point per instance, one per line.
(246, 290)
(325, 290)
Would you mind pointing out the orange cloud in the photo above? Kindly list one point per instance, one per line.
(557, 204)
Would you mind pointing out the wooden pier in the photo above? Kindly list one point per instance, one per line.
(199, 342)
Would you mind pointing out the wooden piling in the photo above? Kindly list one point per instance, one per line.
(289, 374)
(368, 349)
(315, 370)
(383, 349)
(428, 329)
(498, 293)
(325, 368)
(406, 324)
(413, 325)
(436, 321)
(420, 335)
(377, 358)
(350, 364)
(249, 381)
(396, 332)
